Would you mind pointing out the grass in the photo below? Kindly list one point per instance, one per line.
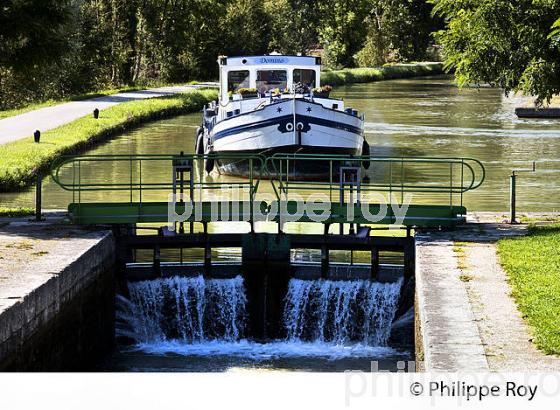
(25, 245)
(388, 72)
(464, 277)
(459, 250)
(21, 160)
(15, 212)
(542, 218)
(533, 267)
(50, 103)
(80, 97)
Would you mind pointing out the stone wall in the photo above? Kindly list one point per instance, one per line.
(67, 322)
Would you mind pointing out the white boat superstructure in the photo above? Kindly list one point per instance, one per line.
(275, 103)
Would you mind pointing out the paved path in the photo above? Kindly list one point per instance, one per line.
(44, 119)
(505, 335)
(451, 340)
(468, 319)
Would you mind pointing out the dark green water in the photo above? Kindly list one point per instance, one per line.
(413, 117)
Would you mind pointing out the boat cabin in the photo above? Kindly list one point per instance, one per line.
(267, 73)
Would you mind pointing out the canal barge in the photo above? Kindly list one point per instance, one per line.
(275, 104)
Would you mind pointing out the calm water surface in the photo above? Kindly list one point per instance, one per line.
(413, 117)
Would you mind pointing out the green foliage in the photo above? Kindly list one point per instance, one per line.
(245, 28)
(54, 49)
(398, 30)
(503, 43)
(554, 35)
(22, 159)
(375, 51)
(342, 30)
(33, 32)
(365, 75)
(533, 267)
(246, 91)
(15, 212)
(293, 25)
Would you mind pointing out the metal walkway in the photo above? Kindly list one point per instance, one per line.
(410, 191)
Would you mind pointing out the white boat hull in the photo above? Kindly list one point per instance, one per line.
(274, 126)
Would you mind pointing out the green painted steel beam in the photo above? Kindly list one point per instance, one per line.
(158, 212)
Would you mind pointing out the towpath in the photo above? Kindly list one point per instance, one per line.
(44, 119)
(468, 319)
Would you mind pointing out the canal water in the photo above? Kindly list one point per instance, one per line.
(412, 117)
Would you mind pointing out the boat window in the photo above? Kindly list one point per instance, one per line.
(305, 77)
(237, 80)
(271, 79)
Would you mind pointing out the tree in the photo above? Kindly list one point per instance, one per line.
(398, 30)
(33, 32)
(503, 43)
(342, 30)
(245, 28)
(293, 25)
(54, 48)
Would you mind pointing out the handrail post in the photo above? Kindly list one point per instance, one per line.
(38, 199)
(513, 191)
(462, 179)
(450, 184)
(512, 180)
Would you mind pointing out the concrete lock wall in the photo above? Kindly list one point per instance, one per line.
(67, 323)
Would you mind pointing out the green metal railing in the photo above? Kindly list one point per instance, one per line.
(136, 181)
(457, 176)
(429, 178)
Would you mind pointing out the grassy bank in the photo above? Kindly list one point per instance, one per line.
(533, 267)
(389, 72)
(15, 212)
(20, 160)
(50, 103)
(80, 97)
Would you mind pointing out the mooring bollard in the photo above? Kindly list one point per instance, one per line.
(512, 191)
(37, 136)
(96, 113)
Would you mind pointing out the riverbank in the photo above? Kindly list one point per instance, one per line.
(547, 110)
(81, 97)
(52, 102)
(22, 159)
(388, 72)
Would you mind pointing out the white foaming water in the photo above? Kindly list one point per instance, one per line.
(197, 317)
(271, 350)
(185, 309)
(341, 312)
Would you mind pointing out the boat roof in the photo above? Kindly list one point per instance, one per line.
(269, 60)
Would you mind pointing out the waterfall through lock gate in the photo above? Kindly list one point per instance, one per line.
(341, 312)
(197, 316)
(184, 309)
